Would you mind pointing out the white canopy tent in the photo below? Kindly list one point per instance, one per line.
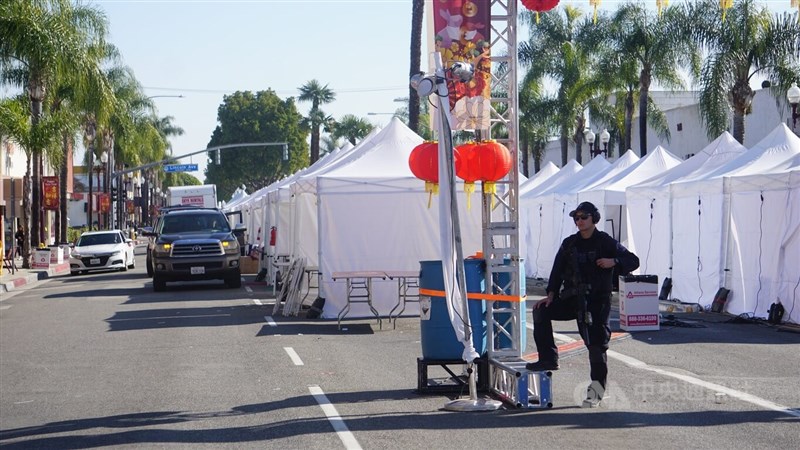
(701, 220)
(549, 205)
(609, 196)
(373, 215)
(649, 205)
(537, 261)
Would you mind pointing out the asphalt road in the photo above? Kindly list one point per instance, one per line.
(102, 361)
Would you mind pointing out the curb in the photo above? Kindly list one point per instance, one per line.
(34, 276)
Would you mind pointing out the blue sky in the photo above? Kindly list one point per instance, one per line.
(204, 49)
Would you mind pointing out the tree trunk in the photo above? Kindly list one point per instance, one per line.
(314, 143)
(564, 145)
(644, 90)
(26, 215)
(626, 138)
(580, 124)
(417, 10)
(525, 147)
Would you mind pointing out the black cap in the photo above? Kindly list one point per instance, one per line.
(586, 207)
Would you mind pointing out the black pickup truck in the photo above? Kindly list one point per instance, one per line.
(190, 244)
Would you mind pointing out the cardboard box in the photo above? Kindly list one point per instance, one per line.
(638, 303)
(248, 265)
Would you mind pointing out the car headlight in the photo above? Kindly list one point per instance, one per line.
(75, 255)
(162, 249)
(230, 247)
(116, 253)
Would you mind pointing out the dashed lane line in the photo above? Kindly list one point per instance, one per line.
(270, 322)
(293, 356)
(349, 441)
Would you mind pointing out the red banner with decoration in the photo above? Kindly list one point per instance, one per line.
(129, 206)
(105, 202)
(461, 34)
(50, 193)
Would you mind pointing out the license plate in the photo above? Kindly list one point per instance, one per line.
(198, 270)
(94, 261)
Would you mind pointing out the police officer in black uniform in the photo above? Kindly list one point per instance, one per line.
(585, 265)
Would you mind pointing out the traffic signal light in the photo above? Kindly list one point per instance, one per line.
(113, 193)
(217, 157)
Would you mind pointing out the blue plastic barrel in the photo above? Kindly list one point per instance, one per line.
(502, 280)
(437, 336)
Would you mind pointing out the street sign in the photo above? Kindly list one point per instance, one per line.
(180, 168)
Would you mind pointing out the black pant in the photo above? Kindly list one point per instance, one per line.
(598, 333)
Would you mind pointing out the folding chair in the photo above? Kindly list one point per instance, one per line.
(8, 259)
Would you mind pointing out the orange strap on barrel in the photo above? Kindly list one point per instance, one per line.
(475, 295)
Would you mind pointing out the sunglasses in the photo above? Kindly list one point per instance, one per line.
(581, 217)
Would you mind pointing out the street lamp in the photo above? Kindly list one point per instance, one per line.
(793, 95)
(604, 138)
(104, 169)
(589, 135)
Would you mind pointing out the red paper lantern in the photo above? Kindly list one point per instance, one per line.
(493, 160)
(466, 170)
(424, 161)
(539, 5)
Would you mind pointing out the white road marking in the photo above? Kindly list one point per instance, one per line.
(247, 288)
(5, 307)
(270, 322)
(257, 301)
(635, 363)
(294, 356)
(336, 421)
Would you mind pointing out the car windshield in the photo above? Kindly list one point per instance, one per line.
(194, 223)
(99, 239)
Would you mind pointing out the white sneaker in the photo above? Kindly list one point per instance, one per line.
(594, 395)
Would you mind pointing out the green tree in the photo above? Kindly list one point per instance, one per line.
(41, 41)
(351, 128)
(659, 47)
(750, 42)
(259, 117)
(43, 134)
(318, 95)
(553, 51)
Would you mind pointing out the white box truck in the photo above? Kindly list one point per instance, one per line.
(204, 196)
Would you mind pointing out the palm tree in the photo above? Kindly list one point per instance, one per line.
(660, 49)
(553, 51)
(351, 128)
(40, 41)
(417, 9)
(43, 134)
(535, 124)
(318, 95)
(749, 42)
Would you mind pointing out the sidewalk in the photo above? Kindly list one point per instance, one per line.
(22, 277)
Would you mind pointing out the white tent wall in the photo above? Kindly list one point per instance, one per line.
(374, 224)
(763, 268)
(648, 205)
(538, 259)
(542, 176)
(306, 244)
(701, 217)
(698, 212)
(609, 196)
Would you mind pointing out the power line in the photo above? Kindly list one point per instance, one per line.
(281, 92)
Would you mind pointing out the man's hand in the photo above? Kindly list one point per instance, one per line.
(545, 302)
(606, 263)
